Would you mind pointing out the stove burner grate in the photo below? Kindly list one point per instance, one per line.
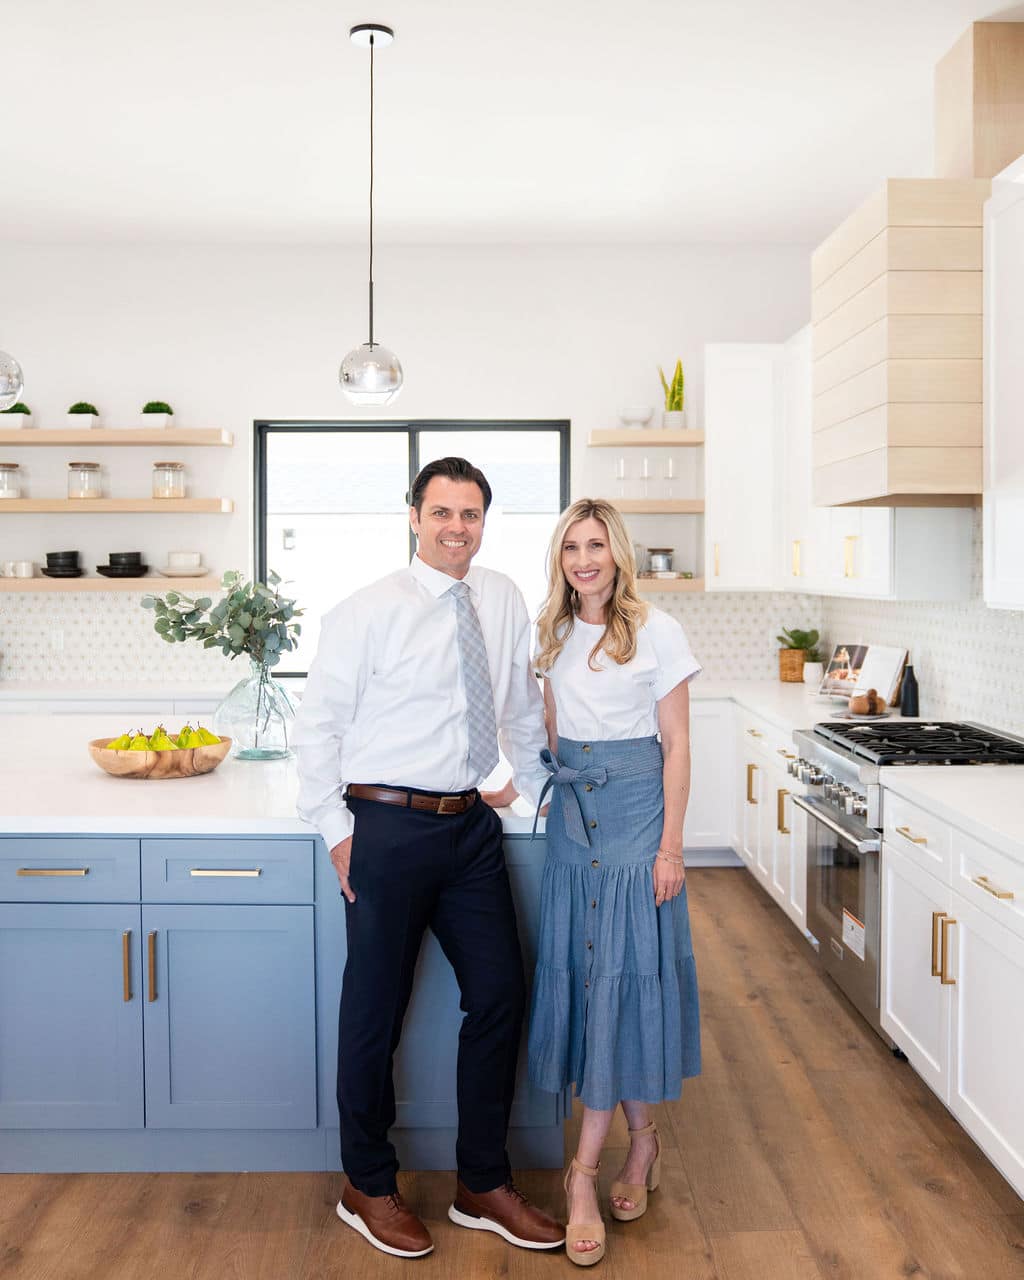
(923, 742)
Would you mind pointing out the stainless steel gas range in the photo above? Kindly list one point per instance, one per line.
(841, 761)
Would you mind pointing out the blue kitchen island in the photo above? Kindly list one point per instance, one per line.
(170, 967)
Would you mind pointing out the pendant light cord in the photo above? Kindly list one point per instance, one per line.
(371, 189)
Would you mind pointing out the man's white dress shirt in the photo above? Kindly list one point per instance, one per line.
(385, 703)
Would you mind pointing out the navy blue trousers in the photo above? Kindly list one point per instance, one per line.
(411, 870)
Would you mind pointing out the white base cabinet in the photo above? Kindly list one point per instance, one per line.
(709, 812)
(952, 974)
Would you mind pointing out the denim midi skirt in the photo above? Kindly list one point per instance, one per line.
(615, 1007)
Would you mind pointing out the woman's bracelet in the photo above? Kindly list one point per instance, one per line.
(670, 857)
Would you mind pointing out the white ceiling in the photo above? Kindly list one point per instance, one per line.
(561, 121)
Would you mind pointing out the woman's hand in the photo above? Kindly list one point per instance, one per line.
(500, 799)
(668, 877)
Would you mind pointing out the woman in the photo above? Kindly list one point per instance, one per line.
(615, 992)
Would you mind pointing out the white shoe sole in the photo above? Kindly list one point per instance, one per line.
(357, 1224)
(488, 1224)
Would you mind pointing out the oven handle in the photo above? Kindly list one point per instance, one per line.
(862, 846)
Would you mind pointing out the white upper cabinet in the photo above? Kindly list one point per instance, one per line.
(1004, 391)
(742, 388)
(802, 554)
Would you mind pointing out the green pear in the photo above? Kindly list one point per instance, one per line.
(204, 737)
(139, 743)
(160, 740)
(187, 737)
(120, 744)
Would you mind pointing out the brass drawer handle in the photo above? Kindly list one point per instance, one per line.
(151, 964)
(226, 871)
(796, 557)
(936, 917)
(53, 871)
(983, 882)
(905, 831)
(718, 562)
(944, 977)
(126, 964)
(781, 751)
(780, 817)
(755, 733)
(848, 569)
(750, 783)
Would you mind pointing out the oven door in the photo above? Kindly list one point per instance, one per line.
(844, 901)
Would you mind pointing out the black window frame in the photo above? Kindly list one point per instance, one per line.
(411, 427)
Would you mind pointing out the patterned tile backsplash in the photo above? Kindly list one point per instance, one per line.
(969, 660)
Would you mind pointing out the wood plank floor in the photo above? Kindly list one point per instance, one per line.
(804, 1152)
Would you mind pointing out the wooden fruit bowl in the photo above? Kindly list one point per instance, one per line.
(184, 762)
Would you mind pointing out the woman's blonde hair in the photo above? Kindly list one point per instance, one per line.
(625, 612)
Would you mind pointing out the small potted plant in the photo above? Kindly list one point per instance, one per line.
(20, 417)
(156, 413)
(674, 415)
(797, 648)
(83, 414)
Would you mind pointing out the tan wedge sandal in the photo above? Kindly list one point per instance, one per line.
(582, 1230)
(637, 1191)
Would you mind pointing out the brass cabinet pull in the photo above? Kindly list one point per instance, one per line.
(718, 563)
(848, 569)
(796, 557)
(755, 733)
(151, 964)
(780, 817)
(225, 871)
(126, 963)
(750, 783)
(53, 871)
(905, 831)
(781, 751)
(944, 977)
(983, 882)
(936, 917)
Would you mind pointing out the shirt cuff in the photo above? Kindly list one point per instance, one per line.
(678, 674)
(336, 826)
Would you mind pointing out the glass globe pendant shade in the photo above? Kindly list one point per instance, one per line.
(371, 374)
(12, 380)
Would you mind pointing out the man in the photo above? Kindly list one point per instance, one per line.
(413, 679)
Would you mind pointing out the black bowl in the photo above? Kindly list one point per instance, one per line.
(66, 571)
(125, 557)
(61, 557)
(123, 570)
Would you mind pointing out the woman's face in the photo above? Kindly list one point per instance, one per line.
(587, 560)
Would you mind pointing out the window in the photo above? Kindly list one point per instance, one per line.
(332, 514)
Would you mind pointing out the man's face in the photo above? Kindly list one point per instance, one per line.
(450, 524)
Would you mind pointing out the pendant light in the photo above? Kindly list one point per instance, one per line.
(11, 381)
(371, 374)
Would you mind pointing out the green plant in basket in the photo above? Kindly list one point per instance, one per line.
(805, 640)
(157, 406)
(18, 408)
(674, 390)
(83, 406)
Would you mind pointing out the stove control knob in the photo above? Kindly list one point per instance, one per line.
(858, 807)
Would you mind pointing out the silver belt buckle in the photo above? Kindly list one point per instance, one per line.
(450, 804)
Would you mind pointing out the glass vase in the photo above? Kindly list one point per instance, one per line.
(257, 715)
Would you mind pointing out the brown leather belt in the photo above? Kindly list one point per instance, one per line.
(414, 799)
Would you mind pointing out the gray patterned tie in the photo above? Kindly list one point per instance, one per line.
(476, 678)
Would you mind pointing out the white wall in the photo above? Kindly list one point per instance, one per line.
(229, 335)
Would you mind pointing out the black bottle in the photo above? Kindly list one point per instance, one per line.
(908, 697)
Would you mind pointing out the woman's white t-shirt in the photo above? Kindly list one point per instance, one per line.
(616, 702)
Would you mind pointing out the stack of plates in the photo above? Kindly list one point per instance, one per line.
(123, 570)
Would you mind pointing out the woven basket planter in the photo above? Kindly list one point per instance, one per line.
(791, 665)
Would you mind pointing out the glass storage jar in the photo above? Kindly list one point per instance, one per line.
(10, 482)
(168, 479)
(84, 480)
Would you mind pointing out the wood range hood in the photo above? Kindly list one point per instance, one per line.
(896, 301)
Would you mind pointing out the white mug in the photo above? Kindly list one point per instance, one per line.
(7, 568)
(23, 568)
(184, 559)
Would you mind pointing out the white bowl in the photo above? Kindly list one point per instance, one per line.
(635, 417)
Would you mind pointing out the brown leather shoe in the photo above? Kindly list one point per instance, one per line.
(509, 1214)
(385, 1222)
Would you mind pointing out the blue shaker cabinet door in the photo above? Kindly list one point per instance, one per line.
(229, 1017)
(70, 1017)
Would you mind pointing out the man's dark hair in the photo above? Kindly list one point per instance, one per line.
(451, 469)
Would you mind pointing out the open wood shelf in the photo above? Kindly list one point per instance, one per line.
(645, 438)
(114, 506)
(658, 506)
(651, 585)
(149, 436)
(151, 582)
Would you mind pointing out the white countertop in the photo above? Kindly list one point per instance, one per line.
(50, 784)
(984, 800)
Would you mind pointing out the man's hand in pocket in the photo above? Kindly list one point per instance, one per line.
(341, 856)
